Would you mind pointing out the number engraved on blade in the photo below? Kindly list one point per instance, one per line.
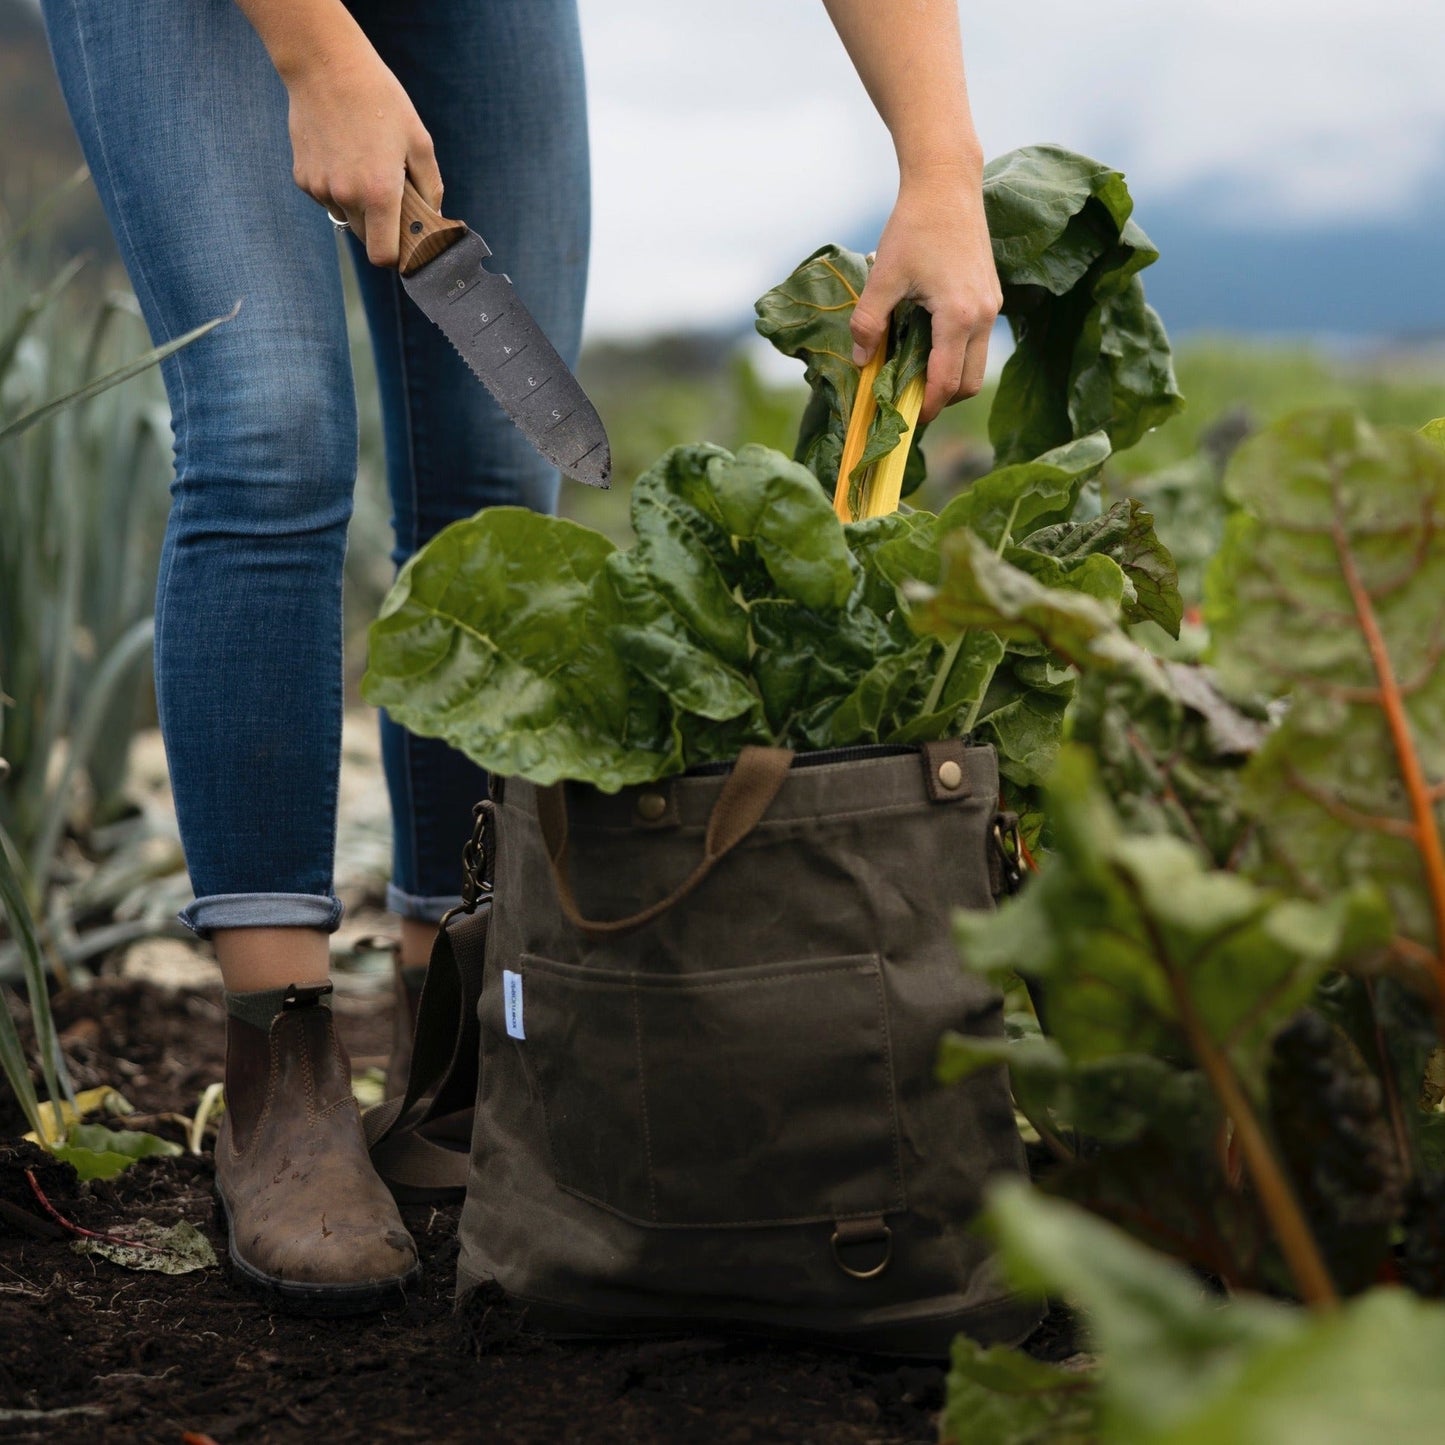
(456, 288)
(485, 319)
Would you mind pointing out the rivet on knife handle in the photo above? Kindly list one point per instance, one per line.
(425, 233)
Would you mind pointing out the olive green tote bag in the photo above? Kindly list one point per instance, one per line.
(710, 1011)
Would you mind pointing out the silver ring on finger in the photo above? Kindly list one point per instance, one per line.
(341, 223)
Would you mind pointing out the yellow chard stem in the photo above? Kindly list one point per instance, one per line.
(865, 407)
(885, 490)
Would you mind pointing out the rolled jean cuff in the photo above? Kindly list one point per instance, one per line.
(262, 910)
(414, 905)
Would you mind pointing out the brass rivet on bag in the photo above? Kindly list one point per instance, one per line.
(651, 807)
(950, 775)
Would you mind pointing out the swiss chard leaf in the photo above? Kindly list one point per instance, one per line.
(1126, 534)
(1142, 948)
(1003, 1397)
(1090, 353)
(904, 549)
(495, 637)
(981, 590)
(1328, 589)
(1180, 1367)
(1171, 750)
(760, 498)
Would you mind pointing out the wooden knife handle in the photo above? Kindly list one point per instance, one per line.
(425, 233)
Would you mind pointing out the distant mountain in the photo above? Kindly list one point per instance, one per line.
(1381, 280)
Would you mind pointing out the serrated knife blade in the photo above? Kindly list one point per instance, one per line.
(482, 316)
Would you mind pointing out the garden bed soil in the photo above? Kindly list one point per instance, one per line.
(97, 1353)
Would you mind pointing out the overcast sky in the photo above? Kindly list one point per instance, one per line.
(730, 139)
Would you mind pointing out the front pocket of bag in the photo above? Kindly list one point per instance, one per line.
(757, 1095)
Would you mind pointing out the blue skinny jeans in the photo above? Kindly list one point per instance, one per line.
(184, 123)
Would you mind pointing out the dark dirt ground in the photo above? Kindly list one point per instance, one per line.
(91, 1352)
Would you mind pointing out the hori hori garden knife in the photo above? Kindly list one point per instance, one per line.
(482, 316)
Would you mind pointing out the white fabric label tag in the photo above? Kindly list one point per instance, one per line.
(512, 1003)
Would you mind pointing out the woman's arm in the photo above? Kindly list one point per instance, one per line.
(935, 247)
(355, 135)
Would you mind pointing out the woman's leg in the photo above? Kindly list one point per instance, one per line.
(183, 121)
(499, 85)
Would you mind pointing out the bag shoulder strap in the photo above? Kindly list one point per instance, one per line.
(444, 1071)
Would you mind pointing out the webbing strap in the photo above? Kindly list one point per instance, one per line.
(755, 781)
(403, 1133)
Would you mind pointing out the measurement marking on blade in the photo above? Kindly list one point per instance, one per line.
(486, 319)
(596, 446)
(511, 353)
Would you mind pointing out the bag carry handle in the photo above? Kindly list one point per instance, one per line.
(755, 781)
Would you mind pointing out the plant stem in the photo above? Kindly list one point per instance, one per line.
(1047, 1136)
(855, 439)
(940, 678)
(78, 1230)
(1407, 755)
(1276, 1195)
(977, 703)
(950, 653)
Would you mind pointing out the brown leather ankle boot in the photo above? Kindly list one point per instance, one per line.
(309, 1220)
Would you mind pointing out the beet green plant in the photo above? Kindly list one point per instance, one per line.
(746, 612)
(1235, 950)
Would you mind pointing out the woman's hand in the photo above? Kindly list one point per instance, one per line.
(935, 247)
(355, 138)
(355, 135)
(935, 250)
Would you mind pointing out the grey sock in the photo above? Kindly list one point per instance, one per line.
(258, 1007)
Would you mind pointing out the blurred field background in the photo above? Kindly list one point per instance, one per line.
(83, 502)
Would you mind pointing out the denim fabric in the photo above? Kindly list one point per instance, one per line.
(184, 123)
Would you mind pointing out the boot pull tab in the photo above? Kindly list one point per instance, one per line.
(304, 996)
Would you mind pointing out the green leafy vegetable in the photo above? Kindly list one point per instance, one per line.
(1328, 589)
(1003, 1397)
(1090, 354)
(1328, 1112)
(1179, 1367)
(495, 638)
(746, 613)
(808, 317)
(1172, 755)
(1141, 948)
(95, 1152)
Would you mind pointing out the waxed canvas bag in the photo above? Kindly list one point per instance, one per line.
(709, 1012)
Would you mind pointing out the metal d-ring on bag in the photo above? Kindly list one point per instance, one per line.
(709, 1014)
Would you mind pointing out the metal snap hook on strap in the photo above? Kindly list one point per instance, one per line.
(476, 862)
(849, 1233)
(1008, 848)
